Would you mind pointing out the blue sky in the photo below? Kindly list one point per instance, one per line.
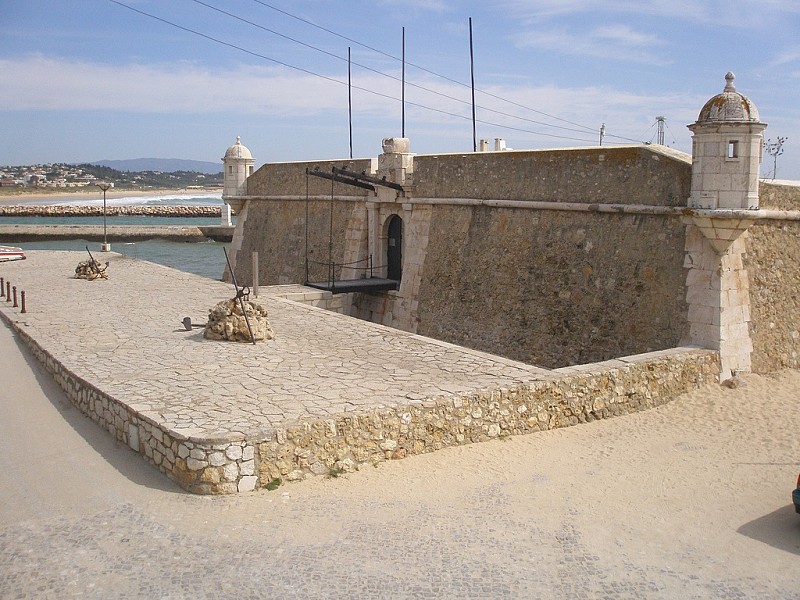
(94, 79)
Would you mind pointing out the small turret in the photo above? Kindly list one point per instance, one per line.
(726, 152)
(238, 166)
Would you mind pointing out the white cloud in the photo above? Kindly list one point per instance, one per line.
(427, 5)
(277, 95)
(786, 56)
(547, 9)
(740, 13)
(625, 36)
(43, 83)
(617, 42)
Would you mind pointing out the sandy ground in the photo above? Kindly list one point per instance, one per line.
(54, 197)
(688, 500)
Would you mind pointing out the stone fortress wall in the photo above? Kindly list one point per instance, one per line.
(550, 287)
(555, 257)
(772, 259)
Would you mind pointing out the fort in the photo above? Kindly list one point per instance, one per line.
(550, 257)
(467, 297)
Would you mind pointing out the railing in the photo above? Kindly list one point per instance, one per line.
(331, 267)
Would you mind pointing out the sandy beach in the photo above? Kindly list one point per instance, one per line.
(8, 197)
(691, 499)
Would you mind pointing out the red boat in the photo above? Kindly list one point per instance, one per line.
(11, 253)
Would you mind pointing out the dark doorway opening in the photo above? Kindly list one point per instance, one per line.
(394, 254)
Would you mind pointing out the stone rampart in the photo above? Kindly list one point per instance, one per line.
(772, 262)
(577, 395)
(779, 195)
(553, 288)
(279, 179)
(279, 217)
(550, 287)
(646, 175)
(277, 229)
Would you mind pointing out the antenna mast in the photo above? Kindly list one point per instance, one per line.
(403, 91)
(660, 135)
(349, 103)
(472, 76)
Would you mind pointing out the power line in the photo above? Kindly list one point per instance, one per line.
(332, 79)
(421, 68)
(377, 72)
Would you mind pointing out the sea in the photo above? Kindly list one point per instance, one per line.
(206, 259)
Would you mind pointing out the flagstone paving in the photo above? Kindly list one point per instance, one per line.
(125, 336)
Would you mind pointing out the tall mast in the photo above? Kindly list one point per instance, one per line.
(472, 76)
(403, 90)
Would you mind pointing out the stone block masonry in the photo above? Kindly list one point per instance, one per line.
(347, 442)
(201, 466)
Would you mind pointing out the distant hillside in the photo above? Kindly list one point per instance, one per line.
(165, 165)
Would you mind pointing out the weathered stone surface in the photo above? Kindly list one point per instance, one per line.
(772, 259)
(779, 196)
(579, 395)
(226, 321)
(90, 270)
(553, 288)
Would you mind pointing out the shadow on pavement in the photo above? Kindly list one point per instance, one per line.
(129, 464)
(779, 529)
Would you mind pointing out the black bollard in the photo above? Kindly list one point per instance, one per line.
(15, 305)
(2, 288)
(22, 298)
(8, 291)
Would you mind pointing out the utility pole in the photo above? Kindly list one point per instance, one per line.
(602, 133)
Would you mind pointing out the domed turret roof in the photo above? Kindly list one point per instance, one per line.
(238, 151)
(729, 106)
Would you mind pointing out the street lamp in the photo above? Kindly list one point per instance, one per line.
(104, 185)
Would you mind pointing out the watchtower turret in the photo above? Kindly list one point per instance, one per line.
(726, 152)
(238, 166)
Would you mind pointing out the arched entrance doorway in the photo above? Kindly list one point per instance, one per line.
(394, 252)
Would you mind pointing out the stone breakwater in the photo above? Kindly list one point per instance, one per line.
(58, 210)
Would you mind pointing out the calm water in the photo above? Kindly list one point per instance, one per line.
(206, 259)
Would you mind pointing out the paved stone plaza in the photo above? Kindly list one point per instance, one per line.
(125, 336)
(216, 416)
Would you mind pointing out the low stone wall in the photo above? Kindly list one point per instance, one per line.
(580, 395)
(62, 210)
(310, 297)
(202, 466)
(233, 463)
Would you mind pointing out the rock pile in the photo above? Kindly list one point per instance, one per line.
(226, 322)
(91, 270)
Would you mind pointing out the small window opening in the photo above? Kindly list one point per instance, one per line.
(733, 149)
(250, 170)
